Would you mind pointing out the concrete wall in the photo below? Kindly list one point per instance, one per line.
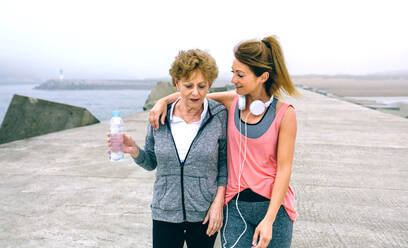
(28, 117)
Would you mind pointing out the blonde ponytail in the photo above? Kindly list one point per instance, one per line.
(267, 56)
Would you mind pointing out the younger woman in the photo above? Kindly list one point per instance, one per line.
(261, 140)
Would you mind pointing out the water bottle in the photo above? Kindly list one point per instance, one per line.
(116, 134)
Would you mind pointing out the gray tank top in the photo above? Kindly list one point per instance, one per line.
(256, 130)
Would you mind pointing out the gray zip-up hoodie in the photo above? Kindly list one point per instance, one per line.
(185, 191)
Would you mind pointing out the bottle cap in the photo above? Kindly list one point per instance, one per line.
(116, 113)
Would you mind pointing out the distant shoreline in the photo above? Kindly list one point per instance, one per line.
(345, 87)
(85, 84)
(361, 92)
(357, 86)
(82, 84)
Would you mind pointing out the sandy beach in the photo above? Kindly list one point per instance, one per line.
(362, 90)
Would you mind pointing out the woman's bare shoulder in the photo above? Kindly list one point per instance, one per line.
(290, 113)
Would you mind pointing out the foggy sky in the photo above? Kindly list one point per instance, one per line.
(139, 39)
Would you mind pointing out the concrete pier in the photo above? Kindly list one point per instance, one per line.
(349, 176)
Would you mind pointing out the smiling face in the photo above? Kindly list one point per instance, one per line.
(193, 90)
(245, 81)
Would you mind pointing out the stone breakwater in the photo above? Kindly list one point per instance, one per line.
(398, 109)
(82, 84)
(163, 89)
(361, 90)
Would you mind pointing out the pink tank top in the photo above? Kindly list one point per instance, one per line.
(259, 170)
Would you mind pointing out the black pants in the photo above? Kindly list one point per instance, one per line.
(173, 235)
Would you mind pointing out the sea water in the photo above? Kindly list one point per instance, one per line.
(388, 100)
(100, 103)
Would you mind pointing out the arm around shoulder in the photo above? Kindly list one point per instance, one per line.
(225, 97)
(158, 111)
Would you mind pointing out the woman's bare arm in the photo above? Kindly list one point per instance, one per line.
(225, 98)
(286, 148)
(160, 109)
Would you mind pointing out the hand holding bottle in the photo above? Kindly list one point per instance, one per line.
(129, 145)
(116, 137)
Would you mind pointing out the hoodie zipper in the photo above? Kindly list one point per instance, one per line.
(182, 163)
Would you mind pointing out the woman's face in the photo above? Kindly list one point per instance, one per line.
(245, 81)
(193, 90)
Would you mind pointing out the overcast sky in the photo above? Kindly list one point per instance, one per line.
(139, 39)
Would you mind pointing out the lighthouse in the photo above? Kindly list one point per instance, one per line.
(61, 76)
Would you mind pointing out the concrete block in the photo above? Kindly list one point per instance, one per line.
(161, 89)
(28, 117)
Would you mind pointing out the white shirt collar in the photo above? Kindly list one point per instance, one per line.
(177, 119)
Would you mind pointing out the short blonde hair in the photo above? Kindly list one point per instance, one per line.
(186, 62)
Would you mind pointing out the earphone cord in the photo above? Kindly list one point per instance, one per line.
(241, 167)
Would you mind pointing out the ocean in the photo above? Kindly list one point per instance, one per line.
(100, 103)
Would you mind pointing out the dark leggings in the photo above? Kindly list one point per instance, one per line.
(166, 234)
(253, 213)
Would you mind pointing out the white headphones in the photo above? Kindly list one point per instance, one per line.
(257, 107)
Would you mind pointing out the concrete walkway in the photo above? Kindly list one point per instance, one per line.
(350, 181)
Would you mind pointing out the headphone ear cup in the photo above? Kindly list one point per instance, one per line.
(241, 102)
(257, 107)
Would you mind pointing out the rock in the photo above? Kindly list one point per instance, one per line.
(161, 89)
(28, 117)
(217, 89)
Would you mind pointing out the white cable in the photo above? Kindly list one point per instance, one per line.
(223, 231)
(241, 167)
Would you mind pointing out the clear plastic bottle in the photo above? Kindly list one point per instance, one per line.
(116, 135)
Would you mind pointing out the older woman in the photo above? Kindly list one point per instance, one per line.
(261, 141)
(190, 154)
